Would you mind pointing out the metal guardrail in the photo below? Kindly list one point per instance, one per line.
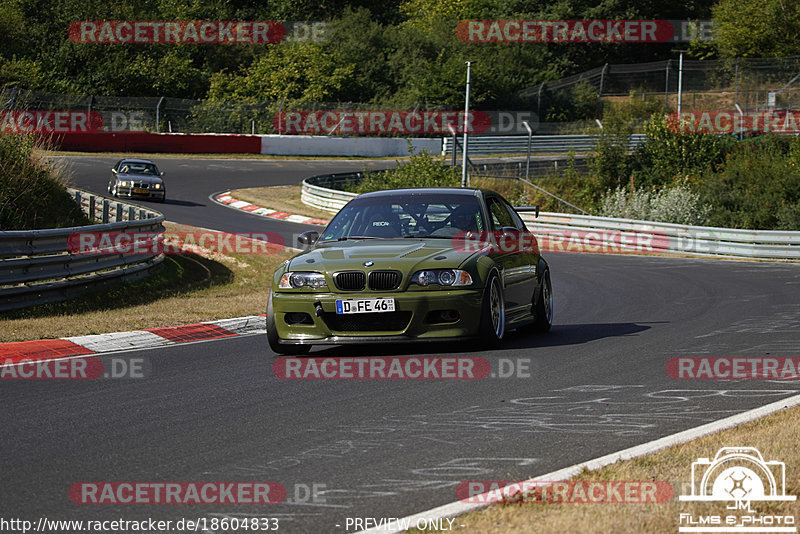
(540, 144)
(40, 266)
(318, 191)
(586, 233)
(538, 167)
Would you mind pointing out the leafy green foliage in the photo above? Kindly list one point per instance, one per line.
(758, 185)
(757, 28)
(668, 154)
(611, 163)
(421, 170)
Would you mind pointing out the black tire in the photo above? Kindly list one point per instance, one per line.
(272, 335)
(493, 313)
(543, 309)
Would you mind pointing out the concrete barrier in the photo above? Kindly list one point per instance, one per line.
(320, 145)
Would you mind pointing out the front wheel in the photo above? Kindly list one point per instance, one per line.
(543, 309)
(272, 335)
(493, 313)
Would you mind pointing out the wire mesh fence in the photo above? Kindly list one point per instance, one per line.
(565, 106)
(707, 84)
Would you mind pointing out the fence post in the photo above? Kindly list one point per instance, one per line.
(158, 107)
(602, 80)
(666, 83)
(131, 213)
(119, 212)
(106, 206)
(91, 207)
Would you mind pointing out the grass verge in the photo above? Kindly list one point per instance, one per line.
(775, 436)
(186, 288)
(280, 197)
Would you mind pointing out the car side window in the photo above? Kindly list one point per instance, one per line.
(519, 224)
(499, 214)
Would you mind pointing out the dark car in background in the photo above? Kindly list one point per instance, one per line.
(137, 178)
(427, 264)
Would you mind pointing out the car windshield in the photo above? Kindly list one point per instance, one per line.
(419, 215)
(130, 167)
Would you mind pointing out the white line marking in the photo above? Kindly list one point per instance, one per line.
(457, 508)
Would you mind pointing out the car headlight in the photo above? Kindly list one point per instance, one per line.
(123, 183)
(443, 277)
(156, 186)
(296, 280)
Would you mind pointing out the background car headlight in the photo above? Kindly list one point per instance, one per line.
(443, 277)
(296, 280)
(156, 186)
(123, 183)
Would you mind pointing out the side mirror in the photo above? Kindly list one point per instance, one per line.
(528, 209)
(114, 170)
(308, 238)
(161, 173)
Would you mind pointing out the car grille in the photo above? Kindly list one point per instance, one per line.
(141, 185)
(384, 280)
(396, 321)
(350, 280)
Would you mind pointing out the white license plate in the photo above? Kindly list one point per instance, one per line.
(365, 306)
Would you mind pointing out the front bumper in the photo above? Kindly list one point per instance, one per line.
(409, 322)
(150, 194)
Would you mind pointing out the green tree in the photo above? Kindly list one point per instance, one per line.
(298, 72)
(757, 28)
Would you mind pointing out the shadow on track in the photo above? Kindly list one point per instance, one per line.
(189, 203)
(559, 335)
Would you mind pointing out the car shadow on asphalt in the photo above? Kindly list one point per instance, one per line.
(189, 203)
(559, 335)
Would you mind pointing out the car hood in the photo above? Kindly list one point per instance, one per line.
(146, 178)
(405, 255)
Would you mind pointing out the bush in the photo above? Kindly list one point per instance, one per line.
(421, 170)
(758, 186)
(666, 154)
(675, 204)
(32, 194)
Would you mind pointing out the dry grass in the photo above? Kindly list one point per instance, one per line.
(187, 289)
(280, 197)
(776, 436)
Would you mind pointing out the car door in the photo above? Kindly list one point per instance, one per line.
(527, 252)
(514, 263)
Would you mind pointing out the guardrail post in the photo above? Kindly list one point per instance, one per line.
(131, 213)
(119, 212)
(106, 209)
(142, 214)
(91, 207)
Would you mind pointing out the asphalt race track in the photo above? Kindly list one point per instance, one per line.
(214, 411)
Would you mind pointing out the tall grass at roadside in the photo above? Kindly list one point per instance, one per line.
(32, 191)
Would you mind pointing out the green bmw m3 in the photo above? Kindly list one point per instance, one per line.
(412, 265)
